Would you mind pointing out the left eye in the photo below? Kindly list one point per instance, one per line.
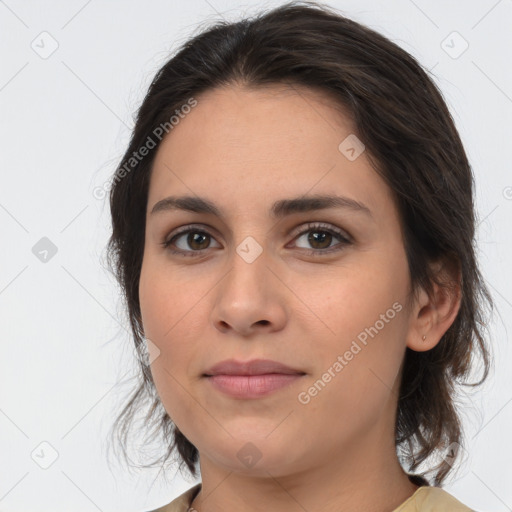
(319, 236)
(322, 238)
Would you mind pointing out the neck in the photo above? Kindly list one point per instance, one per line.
(365, 478)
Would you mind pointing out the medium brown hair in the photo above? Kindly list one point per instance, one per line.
(412, 142)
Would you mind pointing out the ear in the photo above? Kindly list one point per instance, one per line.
(432, 317)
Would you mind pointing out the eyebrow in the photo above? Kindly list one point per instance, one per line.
(279, 209)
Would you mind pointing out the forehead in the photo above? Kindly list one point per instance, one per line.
(234, 114)
(244, 147)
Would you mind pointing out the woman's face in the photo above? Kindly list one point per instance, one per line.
(258, 282)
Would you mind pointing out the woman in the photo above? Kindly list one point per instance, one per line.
(293, 231)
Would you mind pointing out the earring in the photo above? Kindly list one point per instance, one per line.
(424, 338)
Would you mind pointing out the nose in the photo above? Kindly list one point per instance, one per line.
(250, 298)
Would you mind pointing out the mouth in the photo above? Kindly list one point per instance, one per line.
(251, 379)
(252, 367)
(252, 386)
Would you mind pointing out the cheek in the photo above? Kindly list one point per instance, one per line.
(342, 304)
(168, 320)
(359, 340)
(168, 326)
(168, 304)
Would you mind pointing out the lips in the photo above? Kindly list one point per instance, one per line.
(253, 367)
(245, 387)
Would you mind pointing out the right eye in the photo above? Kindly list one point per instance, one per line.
(197, 239)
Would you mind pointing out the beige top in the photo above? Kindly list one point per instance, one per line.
(424, 499)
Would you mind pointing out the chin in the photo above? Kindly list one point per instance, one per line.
(259, 456)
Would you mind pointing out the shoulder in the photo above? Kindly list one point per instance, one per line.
(425, 499)
(432, 499)
(182, 502)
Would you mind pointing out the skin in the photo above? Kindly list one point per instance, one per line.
(243, 149)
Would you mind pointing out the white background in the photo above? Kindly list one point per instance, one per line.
(65, 122)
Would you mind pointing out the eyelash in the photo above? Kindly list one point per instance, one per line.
(309, 227)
